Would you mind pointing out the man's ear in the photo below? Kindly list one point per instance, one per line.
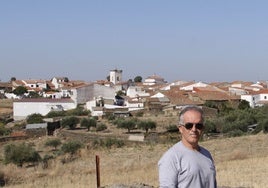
(179, 127)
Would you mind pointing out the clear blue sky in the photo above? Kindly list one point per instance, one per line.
(201, 40)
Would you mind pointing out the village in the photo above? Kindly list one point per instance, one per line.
(153, 94)
(120, 98)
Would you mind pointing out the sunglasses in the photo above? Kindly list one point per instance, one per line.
(189, 126)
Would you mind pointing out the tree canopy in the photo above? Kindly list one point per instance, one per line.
(138, 79)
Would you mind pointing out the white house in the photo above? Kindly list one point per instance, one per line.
(27, 106)
(97, 104)
(258, 99)
(250, 99)
(237, 91)
(134, 103)
(161, 97)
(176, 83)
(87, 92)
(52, 94)
(35, 85)
(58, 82)
(136, 91)
(153, 80)
(191, 86)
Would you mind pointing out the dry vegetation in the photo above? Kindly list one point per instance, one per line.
(240, 162)
(6, 106)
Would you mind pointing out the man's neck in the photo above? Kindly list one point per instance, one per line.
(191, 146)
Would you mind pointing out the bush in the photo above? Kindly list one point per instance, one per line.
(235, 133)
(45, 160)
(101, 127)
(264, 125)
(79, 111)
(128, 124)
(35, 118)
(53, 143)
(146, 125)
(20, 154)
(70, 122)
(111, 117)
(172, 128)
(71, 147)
(52, 114)
(4, 131)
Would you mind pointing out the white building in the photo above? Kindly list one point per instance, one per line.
(58, 82)
(153, 80)
(256, 100)
(190, 87)
(116, 76)
(25, 107)
(87, 92)
(136, 91)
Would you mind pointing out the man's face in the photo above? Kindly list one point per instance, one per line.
(191, 136)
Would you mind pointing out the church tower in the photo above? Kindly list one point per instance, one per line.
(116, 76)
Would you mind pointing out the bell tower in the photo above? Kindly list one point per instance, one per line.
(115, 76)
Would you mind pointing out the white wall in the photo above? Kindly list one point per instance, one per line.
(135, 91)
(116, 76)
(250, 99)
(22, 109)
(86, 93)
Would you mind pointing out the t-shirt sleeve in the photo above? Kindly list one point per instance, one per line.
(168, 171)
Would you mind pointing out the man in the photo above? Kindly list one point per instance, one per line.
(186, 164)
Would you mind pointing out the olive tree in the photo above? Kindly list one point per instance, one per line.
(71, 147)
(146, 125)
(53, 143)
(20, 154)
(129, 124)
(70, 122)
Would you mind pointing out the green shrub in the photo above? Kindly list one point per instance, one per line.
(128, 124)
(146, 125)
(52, 114)
(101, 127)
(53, 143)
(111, 117)
(4, 131)
(20, 154)
(235, 133)
(264, 125)
(71, 147)
(172, 128)
(79, 111)
(35, 118)
(70, 122)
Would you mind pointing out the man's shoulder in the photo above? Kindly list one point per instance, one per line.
(205, 152)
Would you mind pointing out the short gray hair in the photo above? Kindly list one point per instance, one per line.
(190, 108)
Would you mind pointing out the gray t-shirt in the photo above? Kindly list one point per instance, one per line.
(182, 167)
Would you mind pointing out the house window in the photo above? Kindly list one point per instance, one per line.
(265, 97)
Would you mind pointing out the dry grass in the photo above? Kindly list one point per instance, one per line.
(240, 162)
(6, 106)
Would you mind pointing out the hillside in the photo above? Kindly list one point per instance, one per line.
(6, 107)
(240, 162)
